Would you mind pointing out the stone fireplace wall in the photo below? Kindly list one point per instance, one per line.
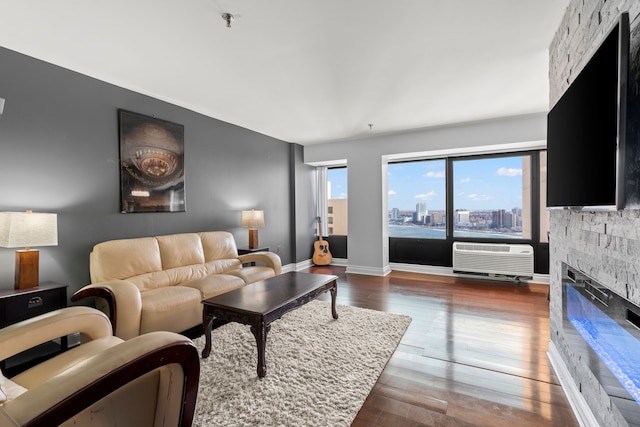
(604, 245)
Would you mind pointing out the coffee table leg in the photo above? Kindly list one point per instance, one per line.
(260, 333)
(334, 291)
(208, 322)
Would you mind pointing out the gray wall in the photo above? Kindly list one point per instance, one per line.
(604, 245)
(366, 168)
(59, 153)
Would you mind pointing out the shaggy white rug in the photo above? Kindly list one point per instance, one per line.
(319, 370)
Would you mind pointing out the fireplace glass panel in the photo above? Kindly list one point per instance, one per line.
(602, 328)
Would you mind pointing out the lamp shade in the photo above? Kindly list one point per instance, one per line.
(252, 219)
(25, 229)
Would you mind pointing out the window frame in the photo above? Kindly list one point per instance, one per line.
(412, 250)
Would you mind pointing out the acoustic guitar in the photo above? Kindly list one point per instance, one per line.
(321, 253)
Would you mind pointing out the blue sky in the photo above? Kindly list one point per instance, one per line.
(479, 184)
(338, 179)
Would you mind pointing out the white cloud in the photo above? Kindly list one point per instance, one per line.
(392, 193)
(436, 174)
(509, 172)
(465, 180)
(478, 197)
(428, 196)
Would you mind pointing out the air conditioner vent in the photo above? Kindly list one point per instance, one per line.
(493, 258)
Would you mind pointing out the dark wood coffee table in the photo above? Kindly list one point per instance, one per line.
(259, 304)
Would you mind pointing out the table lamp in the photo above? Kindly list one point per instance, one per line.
(26, 229)
(251, 220)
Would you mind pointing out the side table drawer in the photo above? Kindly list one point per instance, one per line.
(30, 305)
(23, 306)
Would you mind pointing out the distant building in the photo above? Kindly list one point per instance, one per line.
(420, 215)
(517, 217)
(337, 217)
(507, 220)
(437, 218)
(497, 218)
(461, 217)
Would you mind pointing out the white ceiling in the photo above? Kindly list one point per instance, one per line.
(305, 71)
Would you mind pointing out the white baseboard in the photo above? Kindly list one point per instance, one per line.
(296, 267)
(576, 400)
(411, 268)
(369, 271)
(448, 271)
(423, 269)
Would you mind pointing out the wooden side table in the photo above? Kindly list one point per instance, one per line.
(17, 305)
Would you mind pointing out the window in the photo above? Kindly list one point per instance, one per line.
(492, 197)
(337, 201)
(417, 199)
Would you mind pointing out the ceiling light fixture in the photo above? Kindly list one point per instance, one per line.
(229, 18)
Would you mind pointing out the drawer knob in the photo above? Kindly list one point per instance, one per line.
(34, 302)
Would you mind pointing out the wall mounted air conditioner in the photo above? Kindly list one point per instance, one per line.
(493, 259)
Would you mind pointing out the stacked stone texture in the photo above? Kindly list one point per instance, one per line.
(604, 245)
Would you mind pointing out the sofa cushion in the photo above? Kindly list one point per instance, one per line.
(177, 250)
(216, 284)
(179, 275)
(147, 281)
(218, 245)
(253, 273)
(172, 308)
(222, 265)
(121, 259)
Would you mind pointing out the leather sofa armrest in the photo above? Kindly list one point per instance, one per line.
(269, 259)
(71, 392)
(89, 322)
(124, 302)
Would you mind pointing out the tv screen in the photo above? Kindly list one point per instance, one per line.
(586, 131)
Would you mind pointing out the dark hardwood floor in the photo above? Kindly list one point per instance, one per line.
(474, 354)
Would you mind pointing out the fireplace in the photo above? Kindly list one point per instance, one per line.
(603, 329)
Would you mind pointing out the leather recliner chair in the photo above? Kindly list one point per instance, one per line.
(149, 380)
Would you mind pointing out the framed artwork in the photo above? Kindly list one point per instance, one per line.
(151, 164)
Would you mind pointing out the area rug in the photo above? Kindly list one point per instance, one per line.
(319, 370)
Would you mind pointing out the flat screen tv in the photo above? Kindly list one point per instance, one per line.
(586, 131)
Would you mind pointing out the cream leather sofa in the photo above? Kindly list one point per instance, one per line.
(150, 380)
(157, 283)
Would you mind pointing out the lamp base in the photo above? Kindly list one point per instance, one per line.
(27, 268)
(253, 238)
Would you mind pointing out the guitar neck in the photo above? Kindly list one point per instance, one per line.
(319, 230)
